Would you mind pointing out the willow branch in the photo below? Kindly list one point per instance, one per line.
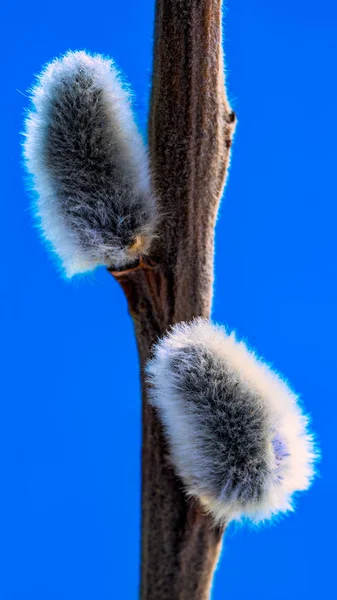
(190, 132)
(235, 432)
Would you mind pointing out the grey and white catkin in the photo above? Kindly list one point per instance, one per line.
(237, 436)
(89, 165)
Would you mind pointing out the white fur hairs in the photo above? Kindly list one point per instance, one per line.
(89, 165)
(237, 436)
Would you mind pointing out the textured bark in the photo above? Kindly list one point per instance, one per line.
(190, 132)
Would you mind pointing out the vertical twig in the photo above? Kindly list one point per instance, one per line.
(190, 132)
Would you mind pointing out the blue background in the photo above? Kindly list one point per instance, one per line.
(70, 408)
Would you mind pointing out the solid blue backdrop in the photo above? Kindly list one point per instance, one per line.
(70, 407)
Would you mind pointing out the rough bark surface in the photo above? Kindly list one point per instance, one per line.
(190, 132)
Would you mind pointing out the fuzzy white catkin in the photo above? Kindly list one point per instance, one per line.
(237, 435)
(88, 164)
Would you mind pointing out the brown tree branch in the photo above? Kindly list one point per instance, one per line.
(190, 132)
